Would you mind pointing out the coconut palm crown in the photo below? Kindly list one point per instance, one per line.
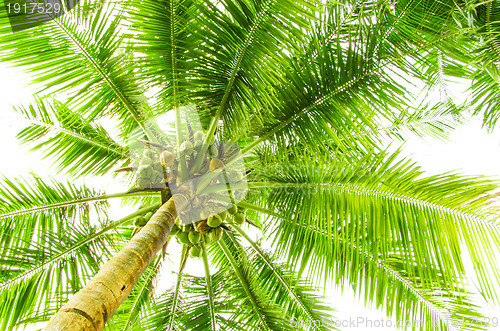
(304, 92)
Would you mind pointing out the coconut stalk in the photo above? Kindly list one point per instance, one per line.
(96, 303)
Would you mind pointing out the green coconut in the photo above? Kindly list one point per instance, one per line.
(145, 171)
(186, 147)
(215, 234)
(149, 153)
(194, 237)
(143, 182)
(232, 210)
(214, 221)
(158, 177)
(146, 161)
(175, 229)
(198, 136)
(239, 218)
(139, 221)
(157, 166)
(223, 215)
(195, 251)
(183, 237)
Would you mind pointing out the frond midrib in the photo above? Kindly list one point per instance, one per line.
(292, 293)
(240, 53)
(210, 291)
(489, 222)
(27, 211)
(71, 249)
(135, 114)
(182, 265)
(80, 137)
(338, 90)
(381, 264)
(243, 283)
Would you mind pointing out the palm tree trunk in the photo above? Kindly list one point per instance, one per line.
(92, 306)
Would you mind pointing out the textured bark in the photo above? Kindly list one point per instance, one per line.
(92, 306)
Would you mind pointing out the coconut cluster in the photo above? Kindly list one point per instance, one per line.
(150, 170)
(210, 229)
(213, 181)
(141, 220)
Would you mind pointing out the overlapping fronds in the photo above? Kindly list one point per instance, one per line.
(83, 58)
(78, 146)
(310, 88)
(353, 214)
(44, 251)
(262, 292)
(350, 75)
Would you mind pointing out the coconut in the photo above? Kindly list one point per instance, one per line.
(239, 218)
(183, 237)
(157, 166)
(203, 227)
(149, 153)
(194, 237)
(214, 221)
(175, 229)
(145, 171)
(146, 161)
(223, 215)
(157, 177)
(186, 147)
(143, 182)
(195, 251)
(232, 210)
(215, 234)
(148, 215)
(139, 221)
(167, 158)
(198, 137)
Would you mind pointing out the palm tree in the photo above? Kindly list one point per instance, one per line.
(307, 90)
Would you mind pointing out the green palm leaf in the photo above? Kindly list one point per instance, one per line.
(308, 90)
(80, 147)
(336, 198)
(82, 57)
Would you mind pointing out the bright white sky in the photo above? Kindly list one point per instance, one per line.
(469, 149)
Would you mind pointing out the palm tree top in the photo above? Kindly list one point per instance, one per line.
(305, 92)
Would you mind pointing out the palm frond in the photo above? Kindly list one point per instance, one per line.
(38, 279)
(403, 292)
(79, 147)
(81, 56)
(350, 74)
(339, 197)
(256, 308)
(31, 208)
(295, 295)
(238, 35)
(210, 290)
(182, 265)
